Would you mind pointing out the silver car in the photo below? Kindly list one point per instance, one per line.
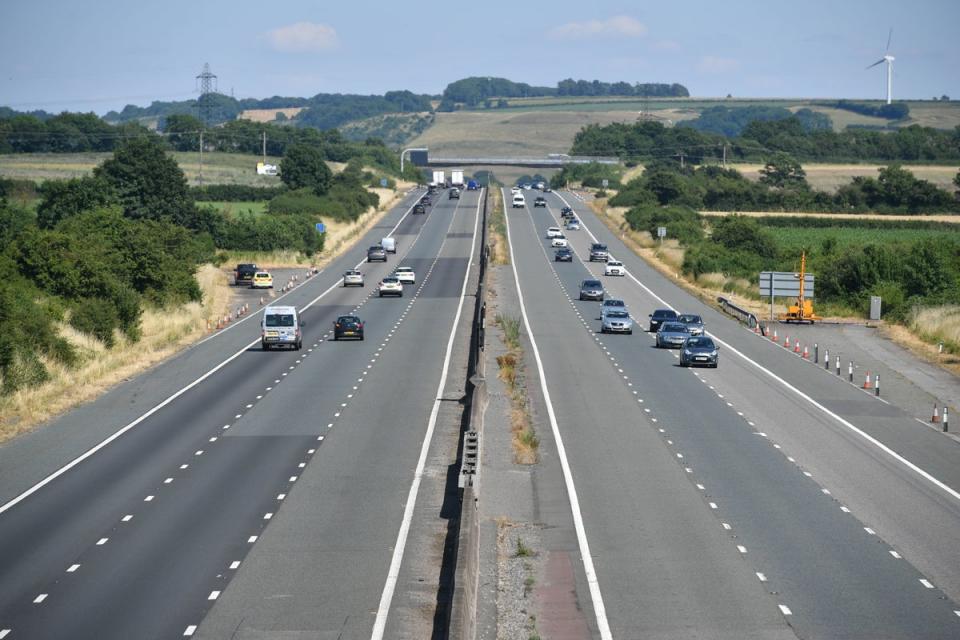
(353, 278)
(672, 335)
(591, 290)
(616, 321)
(612, 304)
(693, 321)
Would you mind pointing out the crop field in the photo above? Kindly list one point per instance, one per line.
(218, 168)
(509, 132)
(830, 177)
(941, 115)
(795, 239)
(231, 209)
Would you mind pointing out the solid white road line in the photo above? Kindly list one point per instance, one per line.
(393, 574)
(845, 423)
(602, 624)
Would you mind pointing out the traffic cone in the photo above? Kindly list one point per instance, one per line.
(796, 347)
(756, 329)
(806, 353)
(775, 337)
(866, 383)
(936, 414)
(786, 342)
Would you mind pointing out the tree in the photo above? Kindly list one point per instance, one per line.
(740, 233)
(183, 131)
(783, 170)
(303, 166)
(65, 198)
(149, 184)
(956, 180)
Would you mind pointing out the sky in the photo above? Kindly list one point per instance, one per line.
(101, 55)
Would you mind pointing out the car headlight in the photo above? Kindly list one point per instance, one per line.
(687, 352)
(714, 353)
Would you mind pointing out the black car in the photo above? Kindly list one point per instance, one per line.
(660, 316)
(591, 290)
(426, 201)
(599, 252)
(419, 208)
(566, 211)
(376, 252)
(348, 327)
(563, 254)
(540, 202)
(243, 274)
(454, 194)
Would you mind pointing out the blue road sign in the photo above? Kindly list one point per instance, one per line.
(321, 228)
(383, 182)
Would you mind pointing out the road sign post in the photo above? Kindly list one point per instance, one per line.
(784, 284)
(661, 233)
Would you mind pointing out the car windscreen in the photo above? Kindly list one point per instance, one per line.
(674, 327)
(599, 247)
(664, 313)
(618, 314)
(591, 284)
(348, 319)
(701, 343)
(279, 320)
(690, 318)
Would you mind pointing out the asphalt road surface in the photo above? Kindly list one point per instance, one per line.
(137, 516)
(759, 499)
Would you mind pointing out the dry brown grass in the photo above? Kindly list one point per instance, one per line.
(268, 115)
(524, 439)
(830, 177)
(499, 252)
(165, 331)
(510, 133)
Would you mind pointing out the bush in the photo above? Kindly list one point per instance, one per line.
(682, 223)
(234, 193)
(97, 317)
(296, 202)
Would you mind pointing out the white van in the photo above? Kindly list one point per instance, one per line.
(281, 326)
(519, 202)
(389, 245)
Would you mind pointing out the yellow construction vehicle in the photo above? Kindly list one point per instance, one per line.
(802, 311)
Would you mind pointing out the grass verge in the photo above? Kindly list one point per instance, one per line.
(165, 331)
(497, 232)
(526, 443)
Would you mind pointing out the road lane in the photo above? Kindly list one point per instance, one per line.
(664, 562)
(791, 523)
(914, 516)
(196, 491)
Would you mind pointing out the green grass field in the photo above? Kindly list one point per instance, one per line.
(218, 168)
(794, 239)
(231, 209)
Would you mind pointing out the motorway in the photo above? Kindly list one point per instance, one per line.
(232, 492)
(761, 499)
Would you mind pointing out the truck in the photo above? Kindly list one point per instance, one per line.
(439, 179)
(456, 177)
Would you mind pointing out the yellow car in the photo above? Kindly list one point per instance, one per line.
(261, 280)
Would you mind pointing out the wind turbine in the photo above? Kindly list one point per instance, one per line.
(889, 60)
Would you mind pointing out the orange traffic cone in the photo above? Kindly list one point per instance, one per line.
(866, 383)
(796, 347)
(775, 337)
(786, 342)
(806, 353)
